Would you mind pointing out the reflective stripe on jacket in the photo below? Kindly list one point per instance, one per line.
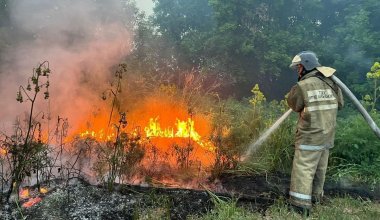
(317, 99)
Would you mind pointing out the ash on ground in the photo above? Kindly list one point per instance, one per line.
(78, 199)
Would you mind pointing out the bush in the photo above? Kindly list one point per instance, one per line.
(356, 154)
(235, 125)
(355, 142)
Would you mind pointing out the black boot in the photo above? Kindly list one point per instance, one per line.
(305, 212)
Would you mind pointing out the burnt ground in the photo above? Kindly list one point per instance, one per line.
(80, 200)
(272, 186)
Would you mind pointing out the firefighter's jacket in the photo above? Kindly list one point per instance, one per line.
(317, 99)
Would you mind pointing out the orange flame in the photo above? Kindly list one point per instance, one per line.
(97, 135)
(171, 127)
(43, 190)
(31, 202)
(3, 152)
(184, 129)
(24, 193)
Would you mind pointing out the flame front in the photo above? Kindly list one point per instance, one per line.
(24, 193)
(3, 152)
(43, 190)
(184, 129)
(98, 135)
(31, 202)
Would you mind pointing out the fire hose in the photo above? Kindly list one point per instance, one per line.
(358, 105)
(255, 145)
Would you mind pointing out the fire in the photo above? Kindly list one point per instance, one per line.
(43, 190)
(3, 152)
(97, 135)
(184, 129)
(95, 127)
(31, 202)
(24, 193)
(170, 130)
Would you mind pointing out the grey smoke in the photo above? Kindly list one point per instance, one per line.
(81, 39)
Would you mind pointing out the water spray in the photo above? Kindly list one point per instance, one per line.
(254, 146)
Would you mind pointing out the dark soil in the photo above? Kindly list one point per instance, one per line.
(80, 200)
(277, 185)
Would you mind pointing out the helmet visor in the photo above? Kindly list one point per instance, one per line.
(296, 60)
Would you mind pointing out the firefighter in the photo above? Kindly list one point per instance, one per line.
(316, 98)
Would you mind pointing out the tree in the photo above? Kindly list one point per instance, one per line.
(374, 75)
(255, 40)
(353, 40)
(185, 25)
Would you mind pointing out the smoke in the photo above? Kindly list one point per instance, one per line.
(82, 40)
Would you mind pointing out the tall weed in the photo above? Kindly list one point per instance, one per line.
(357, 150)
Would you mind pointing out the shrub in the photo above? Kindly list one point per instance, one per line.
(25, 150)
(355, 142)
(356, 154)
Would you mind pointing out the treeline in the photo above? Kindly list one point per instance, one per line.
(250, 41)
(253, 41)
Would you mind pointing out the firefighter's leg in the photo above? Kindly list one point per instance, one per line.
(305, 163)
(319, 178)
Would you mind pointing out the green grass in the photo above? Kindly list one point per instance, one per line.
(356, 173)
(226, 209)
(334, 209)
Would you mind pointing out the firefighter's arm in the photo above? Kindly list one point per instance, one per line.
(295, 99)
(340, 99)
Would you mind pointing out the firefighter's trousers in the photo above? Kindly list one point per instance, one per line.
(308, 176)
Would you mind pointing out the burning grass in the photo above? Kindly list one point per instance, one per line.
(162, 143)
(159, 141)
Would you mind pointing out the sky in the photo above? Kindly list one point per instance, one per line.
(145, 5)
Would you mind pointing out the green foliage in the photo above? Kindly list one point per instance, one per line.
(226, 209)
(348, 208)
(355, 142)
(235, 125)
(257, 97)
(337, 208)
(356, 153)
(374, 75)
(184, 23)
(357, 173)
(176, 19)
(275, 155)
(255, 40)
(375, 71)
